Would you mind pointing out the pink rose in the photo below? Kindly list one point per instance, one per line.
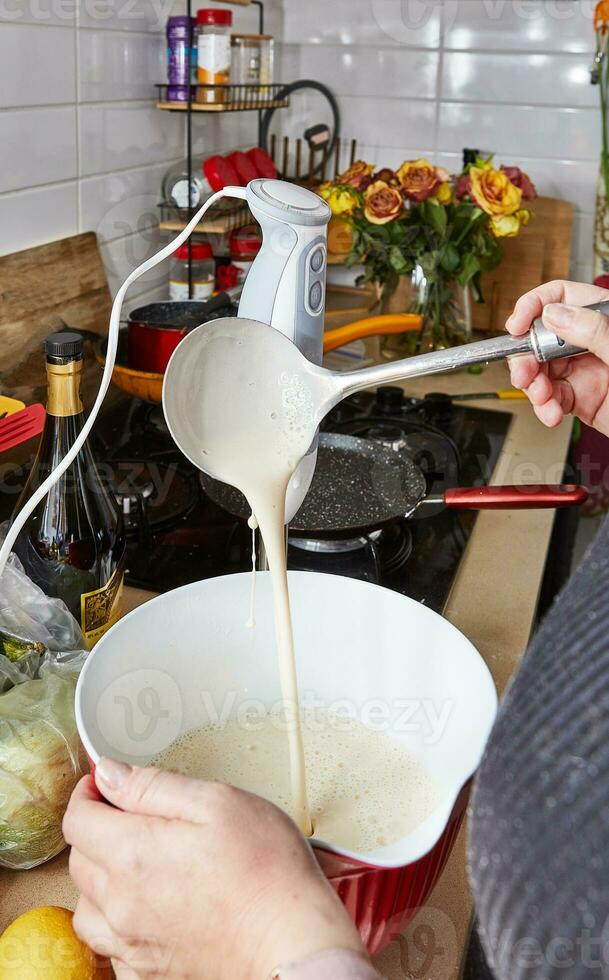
(521, 180)
(464, 187)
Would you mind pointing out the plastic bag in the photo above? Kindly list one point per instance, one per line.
(41, 758)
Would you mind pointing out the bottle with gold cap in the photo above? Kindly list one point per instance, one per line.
(73, 545)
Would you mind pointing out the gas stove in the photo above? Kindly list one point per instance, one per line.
(177, 535)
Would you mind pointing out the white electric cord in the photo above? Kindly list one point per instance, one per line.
(113, 334)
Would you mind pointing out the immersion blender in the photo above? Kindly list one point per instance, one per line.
(286, 285)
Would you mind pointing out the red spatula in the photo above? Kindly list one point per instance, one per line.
(20, 426)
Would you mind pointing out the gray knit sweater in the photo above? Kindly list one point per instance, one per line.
(539, 834)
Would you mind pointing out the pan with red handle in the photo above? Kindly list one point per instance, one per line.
(361, 485)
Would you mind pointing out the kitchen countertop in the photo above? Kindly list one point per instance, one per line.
(493, 608)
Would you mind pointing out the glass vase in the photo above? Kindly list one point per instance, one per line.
(445, 308)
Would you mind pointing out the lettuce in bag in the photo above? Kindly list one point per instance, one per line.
(41, 758)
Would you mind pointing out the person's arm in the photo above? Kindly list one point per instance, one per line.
(540, 809)
(577, 385)
(195, 879)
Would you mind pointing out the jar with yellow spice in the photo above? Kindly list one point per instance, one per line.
(213, 55)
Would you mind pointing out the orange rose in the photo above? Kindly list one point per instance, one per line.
(358, 175)
(601, 16)
(494, 192)
(420, 179)
(382, 203)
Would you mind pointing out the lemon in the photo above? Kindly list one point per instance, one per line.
(42, 945)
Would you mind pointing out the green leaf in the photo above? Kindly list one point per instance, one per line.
(449, 257)
(436, 215)
(476, 287)
(470, 265)
(397, 260)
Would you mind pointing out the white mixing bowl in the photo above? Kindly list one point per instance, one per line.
(172, 663)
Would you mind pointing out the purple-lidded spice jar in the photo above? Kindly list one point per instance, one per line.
(180, 32)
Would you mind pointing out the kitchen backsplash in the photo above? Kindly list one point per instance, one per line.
(83, 147)
(428, 78)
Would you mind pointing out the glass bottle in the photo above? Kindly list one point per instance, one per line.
(73, 545)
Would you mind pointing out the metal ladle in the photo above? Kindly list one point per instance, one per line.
(259, 375)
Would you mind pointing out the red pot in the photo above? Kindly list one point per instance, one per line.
(155, 330)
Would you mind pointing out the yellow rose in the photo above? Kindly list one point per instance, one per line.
(444, 194)
(506, 227)
(419, 179)
(342, 200)
(509, 225)
(493, 191)
(382, 203)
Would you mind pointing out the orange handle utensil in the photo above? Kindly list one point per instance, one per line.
(372, 326)
(511, 394)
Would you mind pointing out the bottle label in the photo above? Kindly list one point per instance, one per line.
(201, 289)
(99, 610)
(213, 59)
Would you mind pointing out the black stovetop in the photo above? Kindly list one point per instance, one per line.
(186, 537)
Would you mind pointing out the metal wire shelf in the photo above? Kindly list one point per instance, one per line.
(224, 98)
(217, 221)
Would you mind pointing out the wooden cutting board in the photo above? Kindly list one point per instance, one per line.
(541, 252)
(41, 290)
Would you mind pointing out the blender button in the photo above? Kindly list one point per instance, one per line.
(317, 259)
(315, 296)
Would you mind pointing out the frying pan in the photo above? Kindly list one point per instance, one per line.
(361, 485)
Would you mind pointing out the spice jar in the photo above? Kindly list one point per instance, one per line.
(213, 54)
(180, 37)
(245, 243)
(252, 57)
(203, 272)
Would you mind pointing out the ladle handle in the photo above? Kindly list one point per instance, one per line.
(539, 341)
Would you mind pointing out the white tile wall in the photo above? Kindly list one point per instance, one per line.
(429, 77)
(82, 146)
(38, 146)
(53, 55)
(37, 215)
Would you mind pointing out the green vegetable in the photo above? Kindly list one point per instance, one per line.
(15, 648)
(41, 760)
(475, 369)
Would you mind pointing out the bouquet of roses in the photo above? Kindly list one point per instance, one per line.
(420, 220)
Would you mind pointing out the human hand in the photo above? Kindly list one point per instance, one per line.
(576, 385)
(194, 879)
